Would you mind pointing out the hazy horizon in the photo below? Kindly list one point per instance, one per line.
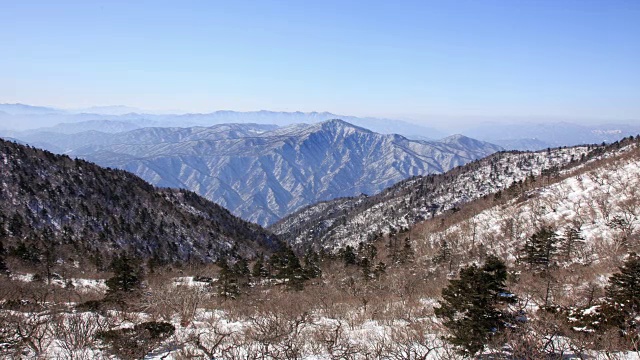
(447, 123)
(418, 61)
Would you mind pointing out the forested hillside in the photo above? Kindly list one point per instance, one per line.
(80, 211)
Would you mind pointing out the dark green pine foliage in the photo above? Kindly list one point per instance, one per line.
(128, 276)
(367, 272)
(259, 270)
(540, 249)
(444, 254)
(287, 267)
(349, 256)
(227, 282)
(312, 264)
(571, 242)
(472, 307)
(623, 295)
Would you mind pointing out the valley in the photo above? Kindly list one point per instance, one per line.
(367, 277)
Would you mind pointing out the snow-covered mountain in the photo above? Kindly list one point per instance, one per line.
(349, 221)
(600, 202)
(262, 173)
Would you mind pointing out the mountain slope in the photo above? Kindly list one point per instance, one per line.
(348, 221)
(49, 199)
(262, 173)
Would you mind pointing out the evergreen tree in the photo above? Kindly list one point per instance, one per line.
(470, 305)
(288, 268)
(242, 272)
(227, 282)
(16, 225)
(367, 273)
(571, 242)
(128, 276)
(444, 254)
(623, 295)
(349, 256)
(4, 269)
(540, 249)
(311, 264)
(50, 253)
(259, 270)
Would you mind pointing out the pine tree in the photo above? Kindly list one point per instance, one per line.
(4, 269)
(444, 254)
(365, 265)
(127, 277)
(259, 270)
(623, 295)
(540, 249)
(16, 225)
(349, 256)
(571, 242)
(311, 264)
(227, 282)
(242, 272)
(470, 305)
(287, 267)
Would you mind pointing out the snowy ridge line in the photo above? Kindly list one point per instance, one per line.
(591, 201)
(354, 220)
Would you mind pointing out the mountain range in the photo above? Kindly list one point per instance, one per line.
(515, 134)
(264, 172)
(20, 117)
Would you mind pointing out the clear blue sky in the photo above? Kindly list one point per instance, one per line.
(556, 58)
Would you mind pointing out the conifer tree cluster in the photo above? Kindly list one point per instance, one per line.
(472, 307)
(540, 249)
(622, 309)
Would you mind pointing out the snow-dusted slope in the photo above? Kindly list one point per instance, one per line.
(349, 221)
(261, 172)
(601, 202)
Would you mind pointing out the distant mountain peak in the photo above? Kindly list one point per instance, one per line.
(341, 124)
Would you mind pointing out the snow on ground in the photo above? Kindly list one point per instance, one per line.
(602, 204)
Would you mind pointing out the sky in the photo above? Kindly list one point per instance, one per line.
(418, 60)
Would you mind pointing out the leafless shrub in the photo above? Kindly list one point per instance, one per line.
(169, 300)
(332, 340)
(417, 340)
(75, 333)
(22, 333)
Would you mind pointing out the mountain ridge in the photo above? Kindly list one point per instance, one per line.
(333, 224)
(262, 173)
